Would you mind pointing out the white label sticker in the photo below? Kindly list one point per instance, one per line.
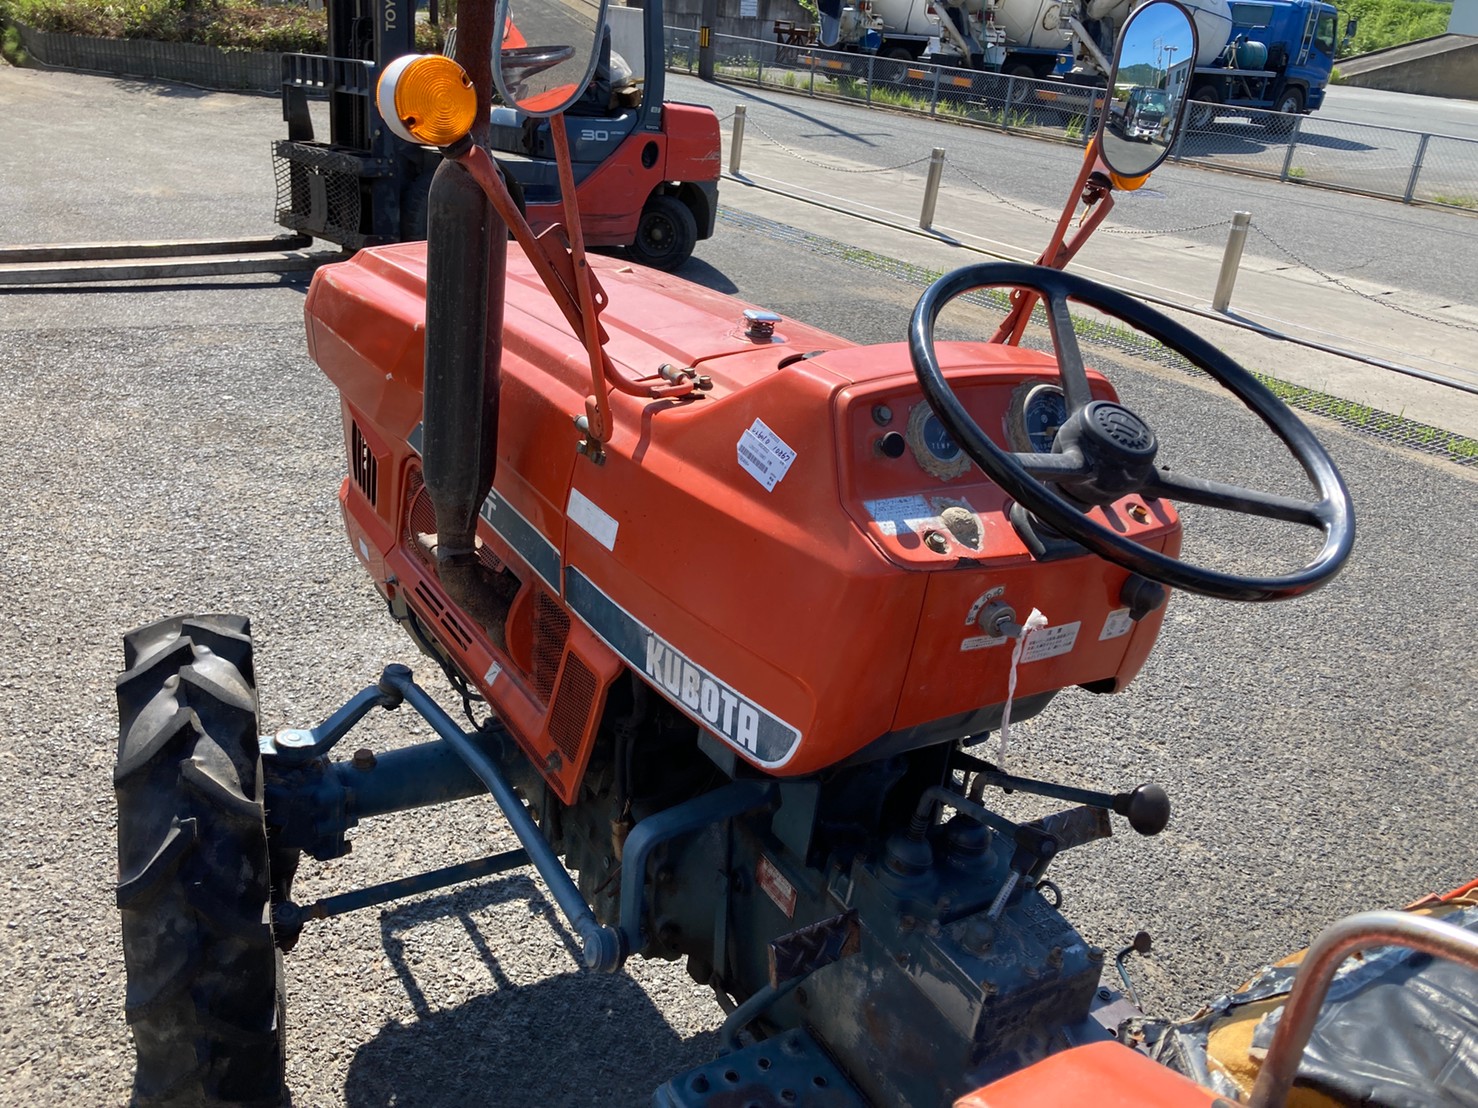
(980, 642)
(1048, 642)
(764, 455)
(902, 514)
(588, 515)
(492, 674)
(1116, 626)
(364, 550)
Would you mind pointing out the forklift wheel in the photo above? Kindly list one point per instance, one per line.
(666, 235)
(205, 997)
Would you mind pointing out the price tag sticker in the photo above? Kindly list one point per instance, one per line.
(764, 455)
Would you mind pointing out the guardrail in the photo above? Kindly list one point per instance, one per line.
(1354, 157)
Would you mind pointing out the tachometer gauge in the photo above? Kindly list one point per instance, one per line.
(933, 447)
(1037, 411)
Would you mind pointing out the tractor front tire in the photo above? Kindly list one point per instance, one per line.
(205, 996)
(666, 234)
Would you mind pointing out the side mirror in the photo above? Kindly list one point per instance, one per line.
(544, 52)
(1148, 88)
(1350, 26)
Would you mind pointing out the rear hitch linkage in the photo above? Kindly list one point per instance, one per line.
(312, 802)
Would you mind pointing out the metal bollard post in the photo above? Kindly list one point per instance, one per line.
(931, 189)
(1236, 239)
(1298, 122)
(1416, 168)
(736, 142)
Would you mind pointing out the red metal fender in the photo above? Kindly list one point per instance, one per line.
(1106, 1075)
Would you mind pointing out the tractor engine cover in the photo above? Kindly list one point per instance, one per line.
(797, 557)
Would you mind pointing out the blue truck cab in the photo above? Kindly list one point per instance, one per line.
(1278, 57)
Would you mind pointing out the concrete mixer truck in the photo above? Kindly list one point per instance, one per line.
(1274, 55)
(1023, 37)
(1268, 54)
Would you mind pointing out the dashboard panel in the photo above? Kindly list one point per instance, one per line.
(915, 492)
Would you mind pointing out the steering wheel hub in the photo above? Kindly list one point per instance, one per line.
(1115, 433)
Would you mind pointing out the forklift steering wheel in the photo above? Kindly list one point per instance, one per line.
(1103, 451)
(522, 62)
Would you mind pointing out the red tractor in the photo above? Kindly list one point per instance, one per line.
(740, 599)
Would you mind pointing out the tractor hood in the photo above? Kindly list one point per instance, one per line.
(795, 558)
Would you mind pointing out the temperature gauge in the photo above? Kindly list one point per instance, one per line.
(933, 447)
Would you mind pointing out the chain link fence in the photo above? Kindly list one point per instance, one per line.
(1313, 149)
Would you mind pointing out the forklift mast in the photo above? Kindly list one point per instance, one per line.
(376, 31)
(349, 189)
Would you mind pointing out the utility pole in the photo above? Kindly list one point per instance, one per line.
(706, 20)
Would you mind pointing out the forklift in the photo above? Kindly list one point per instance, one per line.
(646, 171)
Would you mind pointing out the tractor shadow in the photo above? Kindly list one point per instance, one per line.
(569, 1039)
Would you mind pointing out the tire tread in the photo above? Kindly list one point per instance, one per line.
(204, 978)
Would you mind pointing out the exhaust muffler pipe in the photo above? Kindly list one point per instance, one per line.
(466, 261)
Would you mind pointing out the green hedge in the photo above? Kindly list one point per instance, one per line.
(229, 24)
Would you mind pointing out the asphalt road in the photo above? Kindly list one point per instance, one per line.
(1437, 115)
(173, 449)
(1427, 250)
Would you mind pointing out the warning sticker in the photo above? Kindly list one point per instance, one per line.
(764, 455)
(902, 514)
(1117, 625)
(1048, 642)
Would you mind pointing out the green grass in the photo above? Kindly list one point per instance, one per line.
(1005, 118)
(1385, 23)
(1469, 202)
(1297, 172)
(11, 49)
(739, 69)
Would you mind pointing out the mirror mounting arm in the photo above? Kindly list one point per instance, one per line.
(1092, 188)
(568, 285)
(597, 404)
(476, 160)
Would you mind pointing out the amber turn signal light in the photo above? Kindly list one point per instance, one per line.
(427, 99)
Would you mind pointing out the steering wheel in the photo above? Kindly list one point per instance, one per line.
(522, 62)
(519, 64)
(1103, 451)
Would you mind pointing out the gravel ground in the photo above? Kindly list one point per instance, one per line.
(174, 450)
